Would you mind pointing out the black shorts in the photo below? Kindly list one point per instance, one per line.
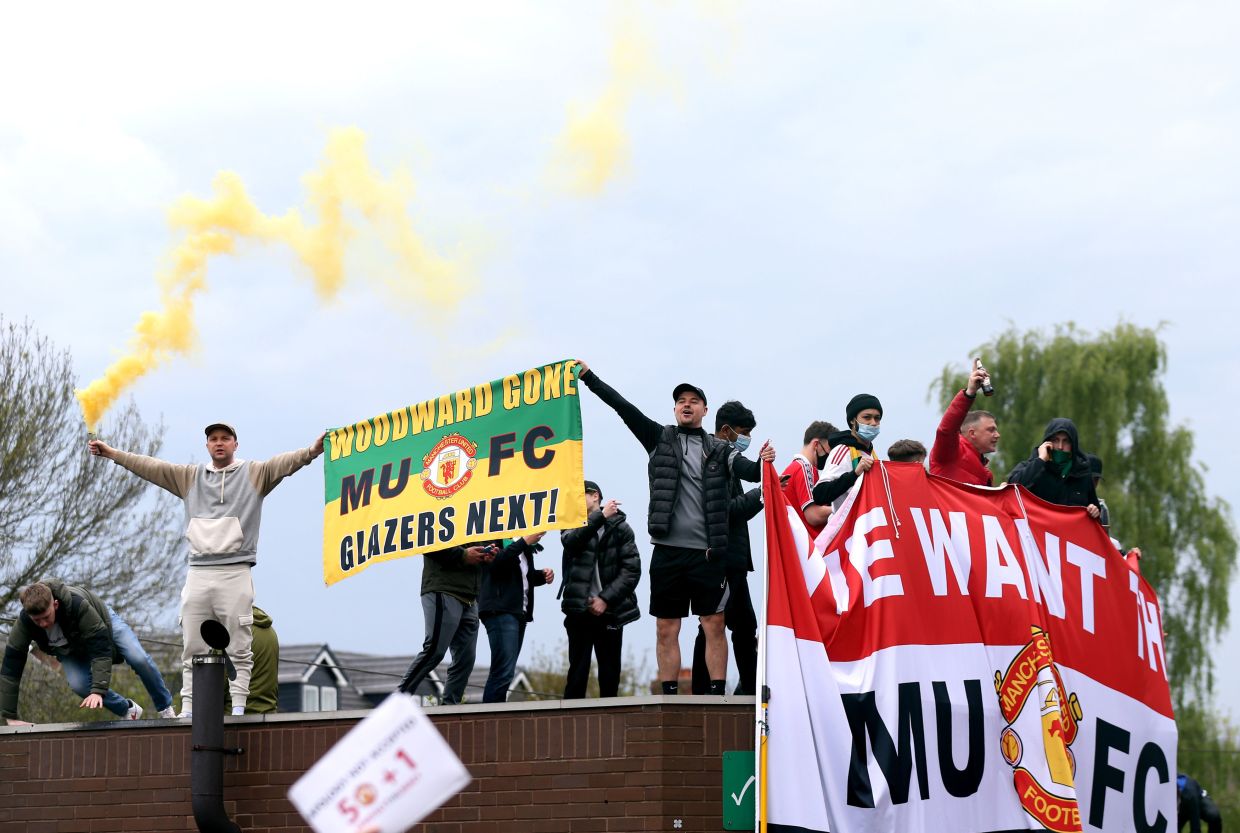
(683, 579)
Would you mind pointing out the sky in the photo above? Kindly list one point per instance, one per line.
(810, 199)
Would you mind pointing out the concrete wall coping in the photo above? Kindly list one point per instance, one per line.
(605, 703)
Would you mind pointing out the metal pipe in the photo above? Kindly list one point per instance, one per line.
(207, 742)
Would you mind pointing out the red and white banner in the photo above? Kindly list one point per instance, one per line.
(951, 657)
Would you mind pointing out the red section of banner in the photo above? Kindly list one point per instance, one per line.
(928, 561)
(1054, 812)
(923, 589)
(787, 603)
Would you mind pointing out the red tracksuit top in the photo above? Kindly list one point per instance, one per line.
(953, 456)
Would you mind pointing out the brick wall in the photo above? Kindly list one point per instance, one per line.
(615, 765)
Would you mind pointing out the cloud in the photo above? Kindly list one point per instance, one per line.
(86, 171)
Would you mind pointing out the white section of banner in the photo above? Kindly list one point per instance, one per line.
(796, 767)
(938, 704)
(1122, 730)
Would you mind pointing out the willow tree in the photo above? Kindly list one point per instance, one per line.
(1111, 385)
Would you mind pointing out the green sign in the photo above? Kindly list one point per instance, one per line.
(740, 790)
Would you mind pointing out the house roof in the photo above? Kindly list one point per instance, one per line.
(373, 674)
(298, 662)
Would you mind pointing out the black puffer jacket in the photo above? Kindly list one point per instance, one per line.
(619, 567)
(664, 472)
(1041, 478)
(660, 441)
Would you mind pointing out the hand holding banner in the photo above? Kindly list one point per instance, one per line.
(485, 462)
(952, 657)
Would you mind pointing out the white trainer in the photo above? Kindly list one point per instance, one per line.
(168, 713)
(135, 711)
(238, 711)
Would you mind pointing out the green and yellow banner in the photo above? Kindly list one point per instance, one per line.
(492, 461)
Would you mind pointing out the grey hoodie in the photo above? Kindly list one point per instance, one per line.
(223, 507)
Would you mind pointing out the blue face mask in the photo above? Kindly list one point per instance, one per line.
(741, 442)
(867, 432)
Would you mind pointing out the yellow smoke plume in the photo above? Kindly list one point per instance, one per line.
(344, 184)
(724, 15)
(594, 146)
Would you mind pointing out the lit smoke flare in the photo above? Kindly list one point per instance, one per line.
(213, 227)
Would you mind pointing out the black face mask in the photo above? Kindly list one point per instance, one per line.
(822, 461)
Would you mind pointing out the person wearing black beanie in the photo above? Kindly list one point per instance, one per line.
(852, 451)
(863, 402)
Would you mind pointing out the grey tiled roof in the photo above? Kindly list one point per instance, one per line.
(375, 675)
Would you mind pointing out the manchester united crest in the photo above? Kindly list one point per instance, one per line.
(1033, 700)
(366, 795)
(448, 466)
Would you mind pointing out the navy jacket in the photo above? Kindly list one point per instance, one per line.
(502, 588)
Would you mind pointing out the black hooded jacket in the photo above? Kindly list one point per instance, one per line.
(743, 506)
(1041, 478)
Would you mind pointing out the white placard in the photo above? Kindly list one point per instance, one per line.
(388, 773)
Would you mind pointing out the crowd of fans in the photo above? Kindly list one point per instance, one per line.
(698, 515)
(697, 519)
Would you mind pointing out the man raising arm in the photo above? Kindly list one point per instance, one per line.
(690, 493)
(964, 437)
(224, 504)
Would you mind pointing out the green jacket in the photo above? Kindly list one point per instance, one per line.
(264, 680)
(445, 571)
(87, 626)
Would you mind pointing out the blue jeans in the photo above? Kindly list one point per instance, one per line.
(505, 632)
(77, 670)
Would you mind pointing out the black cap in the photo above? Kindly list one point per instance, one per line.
(684, 387)
(221, 426)
(591, 486)
(1095, 465)
(861, 402)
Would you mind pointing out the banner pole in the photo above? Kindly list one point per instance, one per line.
(760, 701)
